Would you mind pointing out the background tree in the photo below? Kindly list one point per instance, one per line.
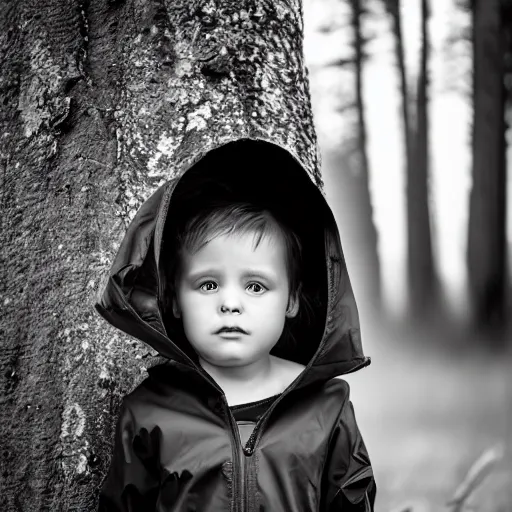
(422, 278)
(350, 158)
(101, 103)
(487, 231)
(359, 192)
(422, 275)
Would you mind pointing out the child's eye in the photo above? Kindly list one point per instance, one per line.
(256, 288)
(208, 286)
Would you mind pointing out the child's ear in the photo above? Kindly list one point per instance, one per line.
(293, 306)
(175, 308)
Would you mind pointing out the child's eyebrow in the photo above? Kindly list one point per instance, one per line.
(203, 272)
(267, 274)
(249, 273)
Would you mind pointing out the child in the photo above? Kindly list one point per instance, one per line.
(252, 290)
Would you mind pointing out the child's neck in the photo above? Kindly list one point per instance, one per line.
(247, 375)
(246, 383)
(259, 380)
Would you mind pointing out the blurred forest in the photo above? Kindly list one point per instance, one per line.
(412, 103)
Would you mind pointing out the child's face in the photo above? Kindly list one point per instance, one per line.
(230, 284)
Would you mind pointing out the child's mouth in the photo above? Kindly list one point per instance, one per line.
(232, 331)
(230, 335)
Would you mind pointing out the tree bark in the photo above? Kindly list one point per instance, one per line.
(102, 101)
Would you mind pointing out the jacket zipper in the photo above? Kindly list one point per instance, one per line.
(255, 434)
(239, 490)
(243, 491)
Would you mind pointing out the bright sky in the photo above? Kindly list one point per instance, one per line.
(450, 130)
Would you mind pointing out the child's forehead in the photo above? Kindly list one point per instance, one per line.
(237, 248)
(229, 238)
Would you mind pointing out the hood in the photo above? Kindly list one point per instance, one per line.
(135, 299)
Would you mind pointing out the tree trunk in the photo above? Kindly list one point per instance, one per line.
(422, 277)
(487, 236)
(359, 186)
(394, 10)
(102, 100)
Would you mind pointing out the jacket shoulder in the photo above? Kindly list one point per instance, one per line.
(138, 397)
(164, 389)
(328, 399)
(338, 386)
(150, 391)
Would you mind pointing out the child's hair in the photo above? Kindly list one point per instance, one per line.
(240, 218)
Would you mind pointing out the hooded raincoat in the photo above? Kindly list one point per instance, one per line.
(177, 445)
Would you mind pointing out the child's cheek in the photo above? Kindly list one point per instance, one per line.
(198, 305)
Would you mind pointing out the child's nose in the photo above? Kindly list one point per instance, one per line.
(230, 304)
(234, 310)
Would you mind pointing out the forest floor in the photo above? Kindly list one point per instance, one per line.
(426, 416)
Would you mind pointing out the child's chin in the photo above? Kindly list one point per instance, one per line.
(233, 359)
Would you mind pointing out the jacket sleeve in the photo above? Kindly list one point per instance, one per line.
(132, 482)
(349, 484)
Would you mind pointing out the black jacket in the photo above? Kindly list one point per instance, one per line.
(177, 445)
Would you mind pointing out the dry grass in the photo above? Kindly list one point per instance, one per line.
(438, 427)
(477, 474)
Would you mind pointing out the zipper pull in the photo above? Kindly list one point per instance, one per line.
(249, 446)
